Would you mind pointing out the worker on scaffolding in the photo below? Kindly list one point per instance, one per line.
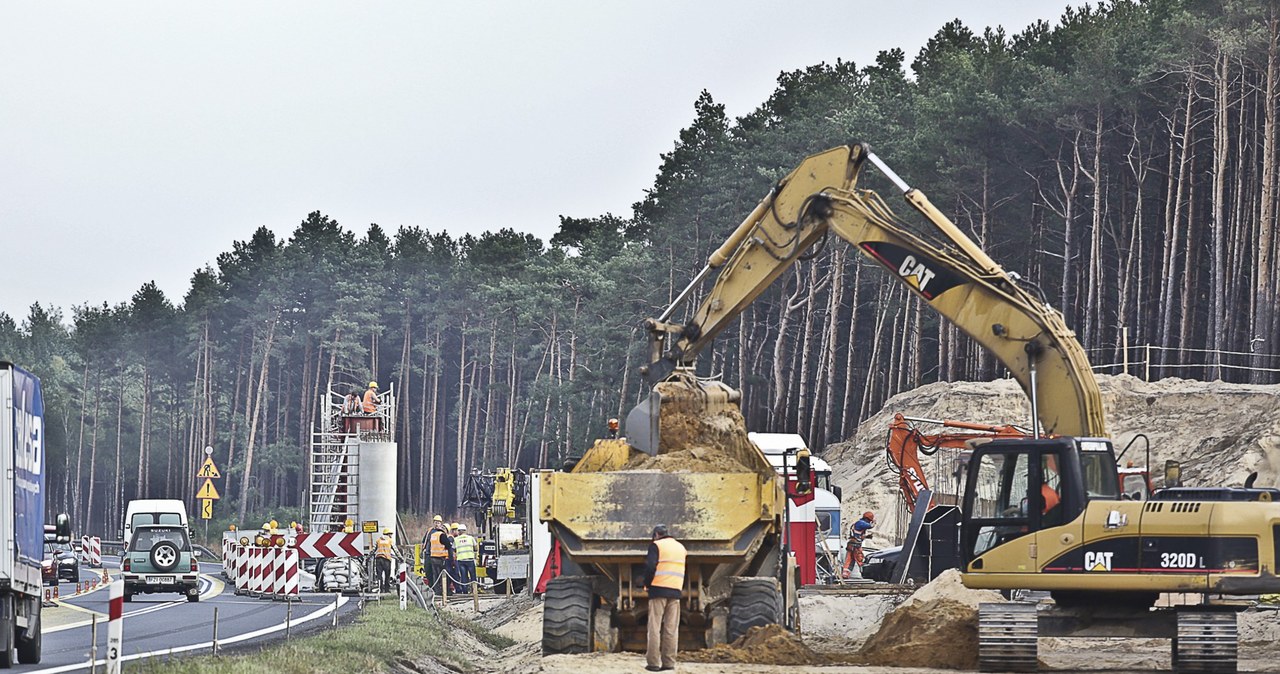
(371, 401)
(351, 407)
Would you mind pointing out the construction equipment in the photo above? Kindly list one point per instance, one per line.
(906, 443)
(1041, 513)
(725, 506)
(500, 503)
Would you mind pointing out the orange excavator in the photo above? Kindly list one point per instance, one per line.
(907, 443)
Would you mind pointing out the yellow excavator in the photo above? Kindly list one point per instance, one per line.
(1039, 513)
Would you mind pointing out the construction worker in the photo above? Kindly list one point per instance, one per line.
(451, 567)
(464, 551)
(439, 549)
(613, 428)
(853, 557)
(384, 552)
(664, 576)
(371, 399)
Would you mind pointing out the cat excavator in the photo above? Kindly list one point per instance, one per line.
(1043, 512)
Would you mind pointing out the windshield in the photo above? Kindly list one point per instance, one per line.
(141, 519)
(52, 549)
(1100, 478)
(147, 538)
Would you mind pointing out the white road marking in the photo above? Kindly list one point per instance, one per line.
(314, 615)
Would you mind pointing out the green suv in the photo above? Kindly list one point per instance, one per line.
(160, 559)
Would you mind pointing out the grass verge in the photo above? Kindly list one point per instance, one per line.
(382, 637)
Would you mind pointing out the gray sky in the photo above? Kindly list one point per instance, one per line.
(138, 140)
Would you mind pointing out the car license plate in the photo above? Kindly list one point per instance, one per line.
(160, 580)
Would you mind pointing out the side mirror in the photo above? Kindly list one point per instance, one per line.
(63, 528)
(1172, 473)
(804, 473)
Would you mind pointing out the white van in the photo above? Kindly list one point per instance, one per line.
(142, 512)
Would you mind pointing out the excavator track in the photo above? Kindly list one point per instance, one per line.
(1206, 643)
(1007, 637)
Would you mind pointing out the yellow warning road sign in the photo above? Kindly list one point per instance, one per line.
(370, 527)
(206, 509)
(208, 469)
(207, 491)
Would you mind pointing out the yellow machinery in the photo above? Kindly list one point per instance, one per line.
(1039, 513)
(727, 511)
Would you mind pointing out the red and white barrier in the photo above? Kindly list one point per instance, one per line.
(287, 571)
(329, 544)
(242, 570)
(115, 628)
(91, 551)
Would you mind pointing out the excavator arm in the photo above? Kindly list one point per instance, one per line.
(937, 262)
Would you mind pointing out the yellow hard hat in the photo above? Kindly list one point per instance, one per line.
(373, 384)
(387, 531)
(437, 518)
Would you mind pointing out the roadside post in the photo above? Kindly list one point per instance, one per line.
(404, 590)
(115, 628)
(93, 644)
(207, 493)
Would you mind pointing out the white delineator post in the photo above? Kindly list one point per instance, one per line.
(404, 591)
(115, 628)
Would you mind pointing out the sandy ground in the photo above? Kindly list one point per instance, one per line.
(840, 626)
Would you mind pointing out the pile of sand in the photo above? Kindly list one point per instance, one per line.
(936, 627)
(1219, 431)
(700, 432)
(692, 460)
(767, 645)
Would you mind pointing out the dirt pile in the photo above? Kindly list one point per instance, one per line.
(1220, 432)
(700, 432)
(936, 627)
(767, 645)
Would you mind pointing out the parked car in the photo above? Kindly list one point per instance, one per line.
(59, 563)
(881, 564)
(160, 559)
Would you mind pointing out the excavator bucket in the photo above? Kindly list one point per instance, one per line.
(679, 414)
(643, 431)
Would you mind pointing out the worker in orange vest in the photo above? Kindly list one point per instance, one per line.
(439, 549)
(384, 552)
(664, 576)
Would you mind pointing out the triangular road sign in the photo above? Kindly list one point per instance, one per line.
(207, 490)
(208, 469)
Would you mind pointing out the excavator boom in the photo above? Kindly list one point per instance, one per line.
(937, 262)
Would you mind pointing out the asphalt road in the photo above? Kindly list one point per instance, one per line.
(157, 625)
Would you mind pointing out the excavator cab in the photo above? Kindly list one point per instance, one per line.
(1017, 487)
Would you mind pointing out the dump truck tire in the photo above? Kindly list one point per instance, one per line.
(566, 616)
(754, 602)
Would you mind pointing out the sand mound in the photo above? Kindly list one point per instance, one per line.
(936, 627)
(767, 645)
(699, 432)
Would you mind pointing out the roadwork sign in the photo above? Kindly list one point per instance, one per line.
(207, 490)
(208, 469)
(206, 509)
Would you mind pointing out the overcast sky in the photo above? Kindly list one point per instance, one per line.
(139, 140)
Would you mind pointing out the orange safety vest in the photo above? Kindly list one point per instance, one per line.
(437, 546)
(384, 547)
(370, 402)
(670, 571)
(1050, 496)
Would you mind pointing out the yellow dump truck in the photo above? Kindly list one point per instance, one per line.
(717, 494)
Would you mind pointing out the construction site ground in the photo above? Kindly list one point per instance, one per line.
(932, 629)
